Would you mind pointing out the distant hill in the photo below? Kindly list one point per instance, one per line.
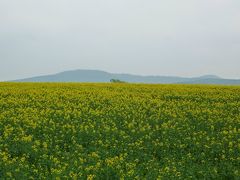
(102, 76)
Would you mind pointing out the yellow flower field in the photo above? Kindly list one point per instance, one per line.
(119, 131)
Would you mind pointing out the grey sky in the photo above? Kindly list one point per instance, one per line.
(149, 37)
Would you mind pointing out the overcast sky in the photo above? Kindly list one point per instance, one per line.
(148, 37)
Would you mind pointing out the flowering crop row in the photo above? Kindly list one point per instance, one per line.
(119, 131)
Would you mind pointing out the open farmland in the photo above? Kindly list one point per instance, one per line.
(119, 131)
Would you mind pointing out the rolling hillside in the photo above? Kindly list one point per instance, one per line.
(102, 76)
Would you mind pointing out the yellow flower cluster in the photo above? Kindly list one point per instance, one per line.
(119, 131)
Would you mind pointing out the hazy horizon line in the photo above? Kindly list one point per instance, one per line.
(110, 72)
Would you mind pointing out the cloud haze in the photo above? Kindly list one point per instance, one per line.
(155, 37)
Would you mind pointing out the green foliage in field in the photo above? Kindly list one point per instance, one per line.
(116, 81)
(119, 131)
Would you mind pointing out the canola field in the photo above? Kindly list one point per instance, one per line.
(119, 131)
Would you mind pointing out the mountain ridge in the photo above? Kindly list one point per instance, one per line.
(83, 75)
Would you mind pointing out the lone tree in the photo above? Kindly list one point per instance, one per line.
(116, 81)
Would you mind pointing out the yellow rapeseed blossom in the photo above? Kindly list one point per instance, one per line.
(119, 131)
